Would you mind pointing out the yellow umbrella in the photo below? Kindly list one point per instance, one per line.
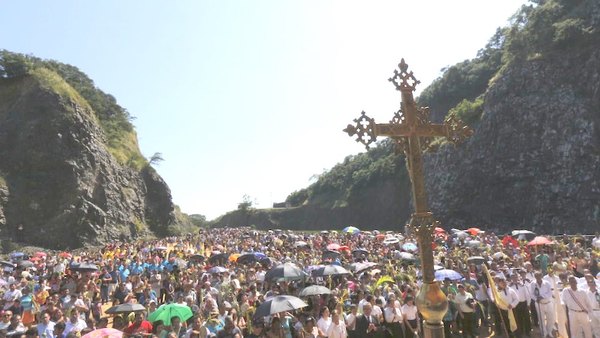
(234, 257)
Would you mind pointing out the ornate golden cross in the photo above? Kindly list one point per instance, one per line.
(413, 132)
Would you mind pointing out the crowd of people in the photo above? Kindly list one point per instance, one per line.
(334, 284)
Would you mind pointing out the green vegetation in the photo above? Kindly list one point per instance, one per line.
(541, 28)
(72, 84)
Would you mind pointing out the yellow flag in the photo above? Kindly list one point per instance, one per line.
(499, 301)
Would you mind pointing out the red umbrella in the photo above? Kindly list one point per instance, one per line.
(439, 230)
(473, 231)
(540, 240)
(344, 248)
(510, 240)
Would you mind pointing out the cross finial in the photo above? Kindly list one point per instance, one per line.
(404, 80)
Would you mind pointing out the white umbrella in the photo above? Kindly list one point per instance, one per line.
(314, 290)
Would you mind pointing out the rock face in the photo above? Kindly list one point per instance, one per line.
(534, 160)
(59, 186)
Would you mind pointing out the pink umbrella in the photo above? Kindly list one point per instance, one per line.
(333, 246)
(104, 333)
(539, 240)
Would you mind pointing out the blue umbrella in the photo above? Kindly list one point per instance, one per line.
(409, 246)
(217, 269)
(442, 274)
(351, 230)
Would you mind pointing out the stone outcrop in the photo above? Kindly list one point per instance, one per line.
(59, 185)
(534, 160)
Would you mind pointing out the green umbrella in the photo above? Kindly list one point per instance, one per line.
(167, 311)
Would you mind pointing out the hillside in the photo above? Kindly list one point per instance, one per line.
(532, 96)
(71, 172)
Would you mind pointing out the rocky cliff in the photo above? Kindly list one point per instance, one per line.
(60, 186)
(535, 157)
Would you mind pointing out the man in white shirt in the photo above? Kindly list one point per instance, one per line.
(579, 308)
(594, 297)
(465, 303)
(75, 323)
(521, 311)
(11, 295)
(393, 316)
(541, 292)
(509, 297)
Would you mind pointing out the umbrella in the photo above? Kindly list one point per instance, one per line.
(391, 241)
(84, 267)
(16, 255)
(251, 258)
(287, 271)
(437, 267)
(279, 304)
(125, 308)
(9, 264)
(523, 234)
(409, 246)
(360, 267)
(104, 333)
(351, 230)
(220, 257)
(161, 248)
(329, 254)
(439, 230)
(330, 270)
(217, 269)
(314, 290)
(473, 244)
(40, 254)
(461, 234)
(25, 264)
(358, 252)
(406, 256)
(333, 246)
(473, 231)
(300, 244)
(447, 273)
(166, 311)
(65, 255)
(234, 257)
(197, 258)
(477, 260)
(539, 240)
(344, 248)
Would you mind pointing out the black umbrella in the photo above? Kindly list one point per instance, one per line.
(197, 258)
(477, 260)
(287, 271)
(314, 290)
(362, 266)
(84, 267)
(25, 264)
(279, 304)
(250, 258)
(221, 258)
(126, 308)
(9, 264)
(358, 252)
(330, 254)
(330, 270)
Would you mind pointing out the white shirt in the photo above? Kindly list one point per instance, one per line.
(324, 324)
(509, 296)
(576, 300)
(337, 331)
(78, 326)
(392, 314)
(521, 291)
(543, 293)
(409, 311)
(593, 300)
(351, 321)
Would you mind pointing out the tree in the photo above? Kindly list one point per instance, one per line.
(246, 204)
(156, 158)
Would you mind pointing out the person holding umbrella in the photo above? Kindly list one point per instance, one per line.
(140, 326)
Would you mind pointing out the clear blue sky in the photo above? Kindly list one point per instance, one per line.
(250, 97)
